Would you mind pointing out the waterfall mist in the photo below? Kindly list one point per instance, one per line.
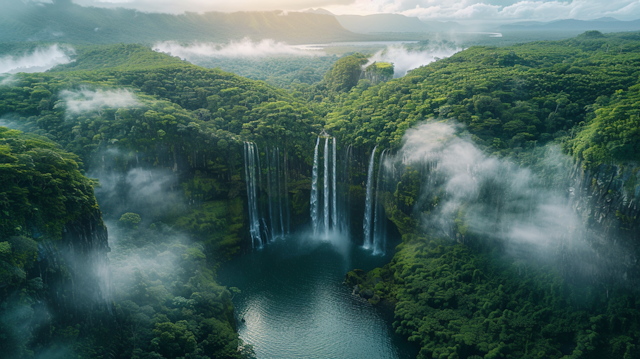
(466, 193)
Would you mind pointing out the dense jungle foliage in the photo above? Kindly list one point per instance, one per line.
(279, 71)
(118, 108)
(470, 300)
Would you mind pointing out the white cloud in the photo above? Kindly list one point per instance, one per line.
(7, 80)
(464, 10)
(39, 60)
(542, 10)
(404, 60)
(173, 6)
(244, 48)
(496, 198)
(85, 100)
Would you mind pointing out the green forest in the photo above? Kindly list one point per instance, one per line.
(121, 108)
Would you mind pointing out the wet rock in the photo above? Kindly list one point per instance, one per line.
(356, 289)
(375, 299)
(366, 294)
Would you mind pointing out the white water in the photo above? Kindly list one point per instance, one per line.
(278, 174)
(314, 190)
(334, 209)
(379, 230)
(326, 187)
(366, 226)
(270, 192)
(274, 226)
(345, 198)
(250, 155)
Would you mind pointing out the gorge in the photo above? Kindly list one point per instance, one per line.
(482, 206)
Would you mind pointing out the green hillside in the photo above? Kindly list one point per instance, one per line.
(457, 294)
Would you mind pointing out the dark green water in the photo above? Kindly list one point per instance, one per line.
(294, 304)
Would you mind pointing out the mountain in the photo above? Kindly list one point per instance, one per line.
(605, 24)
(391, 23)
(320, 11)
(67, 22)
(382, 23)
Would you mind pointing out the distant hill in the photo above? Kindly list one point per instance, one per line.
(606, 24)
(381, 23)
(66, 22)
(320, 11)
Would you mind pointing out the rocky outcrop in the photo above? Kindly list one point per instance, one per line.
(75, 270)
(606, 199)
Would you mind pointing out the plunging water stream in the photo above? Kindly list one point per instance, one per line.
(293, 303)
(366, 223)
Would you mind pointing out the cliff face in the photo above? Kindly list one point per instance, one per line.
(54, 274)
(606, 199)
(75, 270)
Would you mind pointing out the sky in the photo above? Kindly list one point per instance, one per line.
(464, 10)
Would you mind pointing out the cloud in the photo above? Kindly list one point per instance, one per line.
(496, 10)
(404, 59)
(148, 192)
(172, 6)
(7, 79)
(39, 60)
(243, 48)
(530, 213)
(85, 100)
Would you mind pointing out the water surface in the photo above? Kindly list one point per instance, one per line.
(294, 304)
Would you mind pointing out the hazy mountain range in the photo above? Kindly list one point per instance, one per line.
(64, 21)
(68, 22)
(605, 24)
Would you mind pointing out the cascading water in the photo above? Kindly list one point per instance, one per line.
(270, 191)
(314, 190)
(250, 155)
(379, 222)
(274, 225)
(334, 208)
(326, 187)
(366, 226)
(329, 219)
(286, 191)
(345, 194)
(279, 177)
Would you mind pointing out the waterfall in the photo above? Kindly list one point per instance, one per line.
(270, 191)
(379, 220)
(277, 154)
(314, 190)
(345, 203)
(326, 186)
(366, 223)
(250, 155)
(334, 208)
(274, 225)
(286, 191)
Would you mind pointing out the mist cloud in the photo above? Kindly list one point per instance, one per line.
(537, 213)
(495, 197)
(404, 59)
(7, 80)
(85, 100)
(39, 60)
(243, 48)
(148, 192)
